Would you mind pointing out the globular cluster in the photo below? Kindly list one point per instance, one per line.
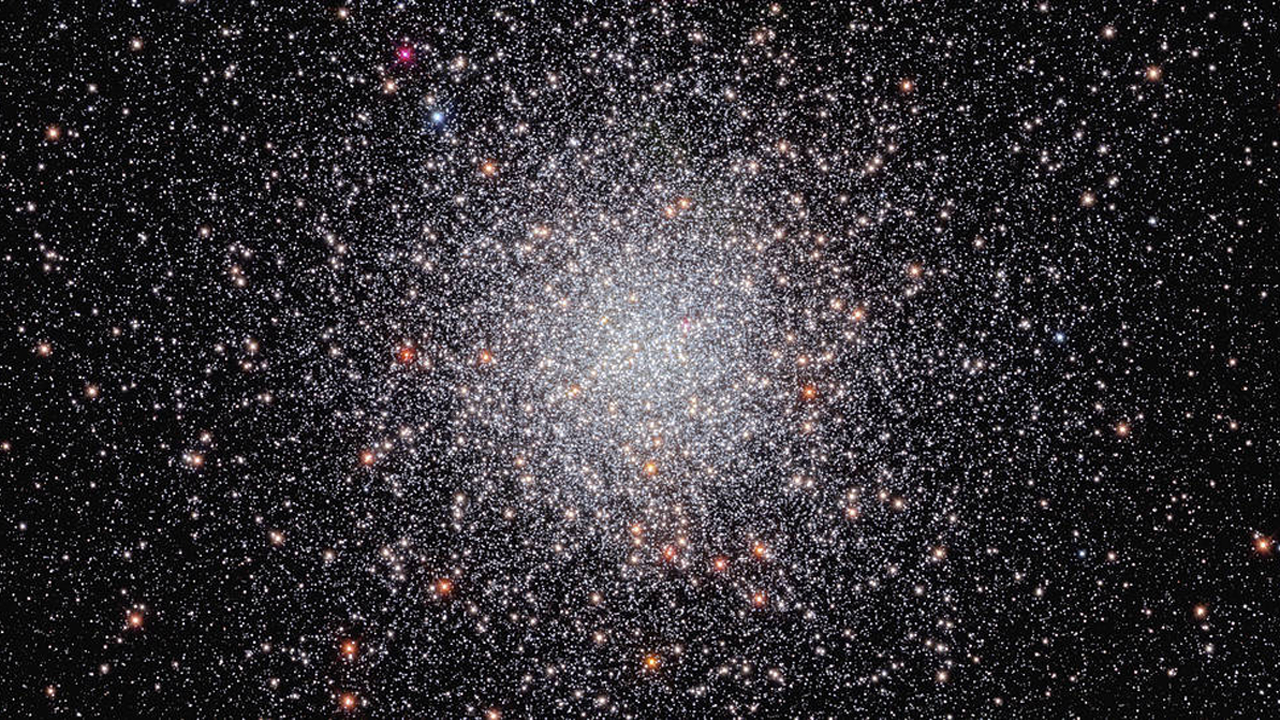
(639, 360)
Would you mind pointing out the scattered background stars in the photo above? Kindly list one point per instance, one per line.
(678, 359)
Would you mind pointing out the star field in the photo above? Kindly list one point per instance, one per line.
(639, 360)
